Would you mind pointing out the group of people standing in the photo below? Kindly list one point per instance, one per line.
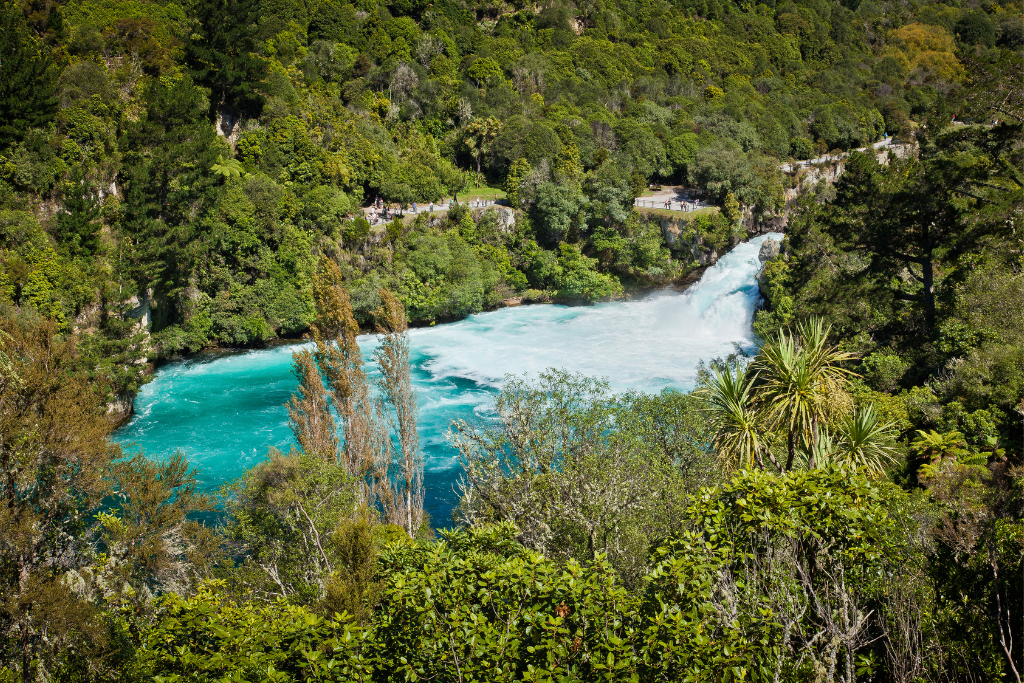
(378, 212)
(683, 205)
(667, 204)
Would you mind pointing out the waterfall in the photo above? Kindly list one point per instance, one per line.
(225, 410)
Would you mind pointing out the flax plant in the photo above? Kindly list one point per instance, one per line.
(864, 441)
(802, 387)
(740, 436)
(795, 390)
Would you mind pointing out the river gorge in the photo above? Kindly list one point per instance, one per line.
(225, 409)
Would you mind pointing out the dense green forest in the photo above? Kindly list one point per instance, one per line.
(188, 162)
(846, 505)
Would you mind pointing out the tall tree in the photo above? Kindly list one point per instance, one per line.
(57, 468)
(222, 53)
(911, 217)
(309, 410)
(401, 472)
(341, 362)
(478, 135)
(53, 456)
(380, 445)
(166, 185)
(28, 78)
(77, 225)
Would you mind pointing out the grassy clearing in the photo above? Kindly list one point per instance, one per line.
(481, 192)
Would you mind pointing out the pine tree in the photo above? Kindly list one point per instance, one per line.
(28, 78)
(222, 54)
(166, 182)
(77, 226)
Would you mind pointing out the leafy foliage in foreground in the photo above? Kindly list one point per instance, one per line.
(817, 572)
(780, 576)
(916, 264)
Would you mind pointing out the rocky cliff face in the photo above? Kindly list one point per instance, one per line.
(805, 179)
(120, 409)
(686, 242)
(770, 250)
(755, 225)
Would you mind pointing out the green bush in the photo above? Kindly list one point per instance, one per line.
(576, 277)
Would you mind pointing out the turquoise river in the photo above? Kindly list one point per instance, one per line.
(225, 409)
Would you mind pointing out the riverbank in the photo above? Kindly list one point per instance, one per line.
(122, 409)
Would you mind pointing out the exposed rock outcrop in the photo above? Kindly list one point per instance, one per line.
(140, 310)
(227, 125)
(769, 251)
(506, 216)
(684, 240)
(120, 409)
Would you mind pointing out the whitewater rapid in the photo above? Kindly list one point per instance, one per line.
(225, 410)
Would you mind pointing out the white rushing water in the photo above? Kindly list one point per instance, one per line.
(225, 410)
(649, 343)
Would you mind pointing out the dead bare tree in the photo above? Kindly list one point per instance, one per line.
(818, 618)
(1004, 620)
(900, 621)
(428, 48)
(838, 612)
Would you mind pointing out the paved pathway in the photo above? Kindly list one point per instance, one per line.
(788, 168)
(673, 199)
(670, 199)
(369, 212)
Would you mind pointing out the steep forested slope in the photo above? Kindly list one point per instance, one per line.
(189, 161)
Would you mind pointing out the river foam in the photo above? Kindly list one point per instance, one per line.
(225, 410)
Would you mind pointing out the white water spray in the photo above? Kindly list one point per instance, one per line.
(649, 343)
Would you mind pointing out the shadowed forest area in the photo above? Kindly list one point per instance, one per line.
(844, 505)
